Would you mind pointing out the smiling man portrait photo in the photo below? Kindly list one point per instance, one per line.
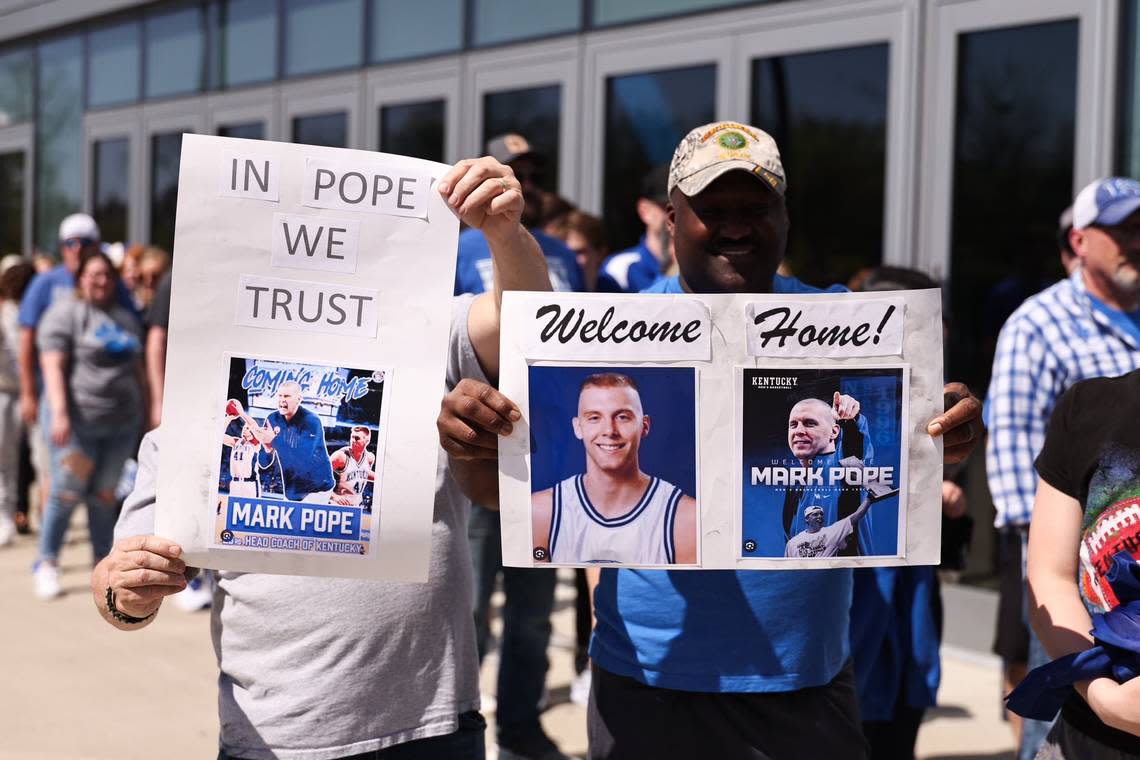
(613, 512)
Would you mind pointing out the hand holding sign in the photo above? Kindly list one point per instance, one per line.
(846, 407)
(485, 194)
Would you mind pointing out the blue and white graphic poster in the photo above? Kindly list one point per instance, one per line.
(310, 285)
(822, 453)
(299, 449)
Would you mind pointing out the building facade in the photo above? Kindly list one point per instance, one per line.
(941, 134)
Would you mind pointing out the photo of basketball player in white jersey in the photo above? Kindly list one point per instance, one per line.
(354, 467)
(613, 512)
(243, 461)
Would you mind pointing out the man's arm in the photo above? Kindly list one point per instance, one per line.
(486, 195)
(29, 402)
(1021, 398)
(156, 371)
(685, 532)
(960, 426)
(541, 512)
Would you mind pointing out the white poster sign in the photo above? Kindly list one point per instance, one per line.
(299, 410)
(620, 328)
(814, 327)
(769, 452)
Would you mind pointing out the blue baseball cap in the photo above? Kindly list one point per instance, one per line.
(1106, 202)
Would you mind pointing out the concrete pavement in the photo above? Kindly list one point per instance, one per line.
(76, 689)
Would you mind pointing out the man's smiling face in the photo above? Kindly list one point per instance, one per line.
(730, 237)
(812, 429)
(611, 424)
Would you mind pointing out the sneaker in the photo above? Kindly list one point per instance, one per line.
(46, 578)
(7, 530)
(580, 688)
(196, 596)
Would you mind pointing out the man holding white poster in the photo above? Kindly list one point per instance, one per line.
(309, 666)
(726, 663)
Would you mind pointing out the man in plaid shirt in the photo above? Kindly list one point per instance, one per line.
(1087, 325)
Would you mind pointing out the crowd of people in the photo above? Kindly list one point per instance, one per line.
(730, 664)
(76, 387)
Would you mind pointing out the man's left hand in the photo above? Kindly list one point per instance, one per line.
(961, 425)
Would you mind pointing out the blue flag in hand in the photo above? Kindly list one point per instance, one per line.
(1115, 654)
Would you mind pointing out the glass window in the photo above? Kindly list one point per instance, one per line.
(399, 31)
(507, 20)
(165, 158)
(110, 187)
(1128, 121)
(175, 44)
(618, 11)
(323, 35)
(827, 111)
(113, 68)
(254, 130)
(59, 136)
(413, 129)
(247, 42)
(1013, 174)
(535, 113)
(329, 129)
(646, 116)
(12, 184)
(15, 87)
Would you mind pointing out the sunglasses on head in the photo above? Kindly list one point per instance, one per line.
(82, 242)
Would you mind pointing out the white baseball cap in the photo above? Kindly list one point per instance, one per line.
(79, 226)
(713, 149)
(1106, 202)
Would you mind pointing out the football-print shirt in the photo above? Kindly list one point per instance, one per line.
(1092, 453)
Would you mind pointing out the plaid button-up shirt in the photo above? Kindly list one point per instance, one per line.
(1054, 339)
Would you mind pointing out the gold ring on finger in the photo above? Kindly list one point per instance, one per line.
(504, 184)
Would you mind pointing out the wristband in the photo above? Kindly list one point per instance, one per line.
(121, 616)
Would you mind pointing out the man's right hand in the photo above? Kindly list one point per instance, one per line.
(29, 408)
(141, 570)
(470, 419)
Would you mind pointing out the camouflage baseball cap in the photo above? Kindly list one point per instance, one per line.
(709, 151)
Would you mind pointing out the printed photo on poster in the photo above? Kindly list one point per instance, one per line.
(613, 465)
(300, 448)
(823, 454)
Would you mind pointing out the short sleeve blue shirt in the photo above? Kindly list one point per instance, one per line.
(473, 271)
(45, 288)
(724, 630)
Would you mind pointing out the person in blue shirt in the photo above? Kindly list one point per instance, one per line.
(294, 439)
(726, 664)
(473, 265)
(634, 269)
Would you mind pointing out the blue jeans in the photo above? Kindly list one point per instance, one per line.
(526, 631)
(466, 743)
(86, 471)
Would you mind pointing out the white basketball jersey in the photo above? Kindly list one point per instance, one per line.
(354, 476)
(242, 456)
(641, 536)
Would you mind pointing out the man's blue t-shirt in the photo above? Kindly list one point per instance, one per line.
(473, 273)
(724, 630)
(300, 448)
(45, 288)
(1128, 322)
(629, 271)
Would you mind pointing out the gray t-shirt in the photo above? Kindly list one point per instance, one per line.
(320, 668)
(103, 348)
